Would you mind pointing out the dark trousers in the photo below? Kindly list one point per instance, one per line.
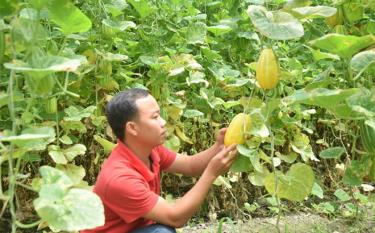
(155, 228)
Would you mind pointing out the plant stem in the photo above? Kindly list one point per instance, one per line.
(29, 225)
(276, 180)
(11, 175)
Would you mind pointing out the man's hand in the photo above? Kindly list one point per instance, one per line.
(220, 137)
(177, 214)
(222, 161)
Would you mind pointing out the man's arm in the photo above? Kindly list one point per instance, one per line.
(177, 214)
(195, 165)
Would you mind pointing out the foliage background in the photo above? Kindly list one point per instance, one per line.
(63, 60)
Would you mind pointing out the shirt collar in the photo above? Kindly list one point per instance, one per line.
(136, 163)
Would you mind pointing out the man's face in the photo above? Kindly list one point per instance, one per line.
(150, 126)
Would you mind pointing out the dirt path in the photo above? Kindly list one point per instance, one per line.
(301, 223)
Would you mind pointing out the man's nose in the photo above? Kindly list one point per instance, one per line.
(162, 122)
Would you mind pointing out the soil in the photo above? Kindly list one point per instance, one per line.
(299, 223)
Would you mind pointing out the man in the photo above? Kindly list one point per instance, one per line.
(129, 180)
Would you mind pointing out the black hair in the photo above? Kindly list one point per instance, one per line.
(122, 109)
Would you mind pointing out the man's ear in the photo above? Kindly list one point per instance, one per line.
(131, 128)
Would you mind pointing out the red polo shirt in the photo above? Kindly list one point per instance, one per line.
(129, 189)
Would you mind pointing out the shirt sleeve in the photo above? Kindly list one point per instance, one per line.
(130, 197)
(167, 157)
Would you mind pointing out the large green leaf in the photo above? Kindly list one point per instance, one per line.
(8, 7)
(107, 145)
(353, 11)
(275, 25)
(315, 11)
(333, 100)
(321, 97)
(63, 156)
(28, 31)
(364, 61)
(363, 103)
(143, 7)
(76, 210)
(332, 153)
(32, 138)
(65, 208)
(290, 4)
(253, 155)
(74, 172)
(218, 30)
(241, 164)
(47, 65)
(77, 113)
(69, 17)
(191, 113)
(301, 145)
(343, 45)
(296, 185)
(342, 195)
(119, 26)
(196, 33)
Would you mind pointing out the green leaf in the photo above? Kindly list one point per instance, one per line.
(8, 7)
(57, 154)
(74, 172)
(32, 138)
(223, 181)
(289, 158)
(301, 145)
(53, 176)
(113, 56)
(69, 17)
(356, 171)
(196, 77)
(320, 97)
(258, 178)
(296, 185)
(342, 195)
(219, 29)
(326, 207)
(322, 80)
(46, 65)
(66, 209)
(119, 26)
(173, 143)
(76, 113)
(363, 103)
(364, 61)
(28, 32)
(76, 210)
(66, 140)
(23, 137)
(143, 7)
(353, 11)
(71, 152)
(317, 190)
(63, 156)
(318, 55)
(253, 155)
(290, 4)
(115, 7)
(343, 45)
(315, 11)
(196, 33)
(332, 153)
(191, 113)
(275, 25)
(258, 127)
(241, 164)
(107, 145)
